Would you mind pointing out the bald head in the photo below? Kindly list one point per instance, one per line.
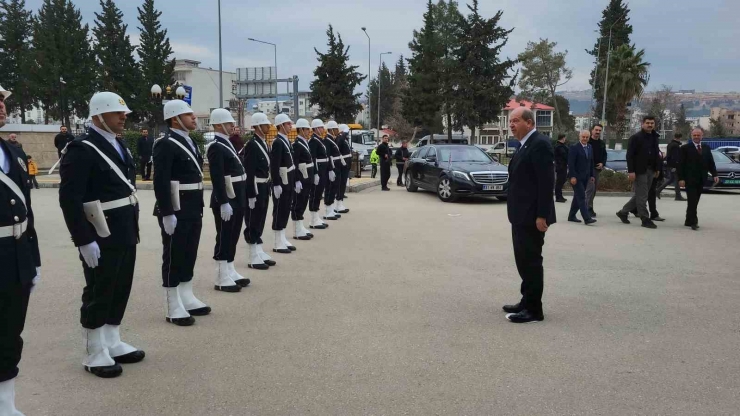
(521, 122)
(697, 134)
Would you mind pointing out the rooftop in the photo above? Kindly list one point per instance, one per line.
(513, 104)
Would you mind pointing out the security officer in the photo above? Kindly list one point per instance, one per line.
(306, 173)
(282, 171)
(178, 188)
(228, 199)
(324, 173)
(256, 160)
(19, 256)
(97, 195)
(336, 159)
(345, 149)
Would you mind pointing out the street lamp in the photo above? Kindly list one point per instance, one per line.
(277, 108)
(220, 62)
(159, 97)
(380, 66)
(364, 29)
(61, 98)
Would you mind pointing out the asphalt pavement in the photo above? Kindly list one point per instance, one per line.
(396, 309)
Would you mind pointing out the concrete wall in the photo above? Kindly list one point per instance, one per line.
(39, 144)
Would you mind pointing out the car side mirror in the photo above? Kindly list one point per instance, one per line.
(431, 159)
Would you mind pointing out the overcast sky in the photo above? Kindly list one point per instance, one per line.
(691, 44)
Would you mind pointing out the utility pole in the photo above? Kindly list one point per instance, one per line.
(220, 62)
(380, 67)
(364, 29)
(277, 107)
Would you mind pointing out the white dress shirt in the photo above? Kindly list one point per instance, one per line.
(186, 135)
(4, 161)
(524, 140)
(111, 138)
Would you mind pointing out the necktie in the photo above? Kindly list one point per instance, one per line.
(698, 148)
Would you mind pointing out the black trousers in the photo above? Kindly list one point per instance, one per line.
(374, 172)
(385, 173)
(579, 201)
(301, 200)
(180, 250)
(32, 182)
(227, 234)
(107, 287)
(343, 182)
(399, 180)
(281, 208)
(13, 307)
(693, 194)
(332, 188)
(559, 182)
(145, 167)
(317, 192)
(254, 219)
(528, 242)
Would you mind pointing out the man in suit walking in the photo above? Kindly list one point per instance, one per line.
(561, 167)
(672, 160)
(581, 171)
(696, 161)
(598, 156)
(531, 211)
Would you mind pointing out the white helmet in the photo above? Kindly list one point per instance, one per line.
(106, 102)
(175, 108)
(221, 116)
(259, 119)
(302, 123)
(281, 118)
(332, 125)
(5, 93)
(344, 128)
(316, 123)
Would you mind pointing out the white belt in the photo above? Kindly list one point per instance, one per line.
(290, 169)
(346, 156)
(118, 203)
(322, 160)
(336, 157)
(238, 178)
(309, 165)
(191, 186)
(261, 180)
(15, 230)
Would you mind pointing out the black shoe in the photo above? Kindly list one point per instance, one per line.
(561, 200)
(574, 219)
(695, 227)
(657, 218)
(680, 198)
(241, 282)
(344, 211)
(263, 266)
(590, 221)
(309, 235)
(130, 358)
(109, 371)
(513, 308)
(181, 321)
(302, 238)
(386, 189)
(399, 184)
(525, 317)
(228, 289)
(200, 311)
(658, 195)
(292, 248)
(281, 250)
(623, 217)
(318, 227)
(592, 213)
(649, 224)
(331, 218)
(270, 262)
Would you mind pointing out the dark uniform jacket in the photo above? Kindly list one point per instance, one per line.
(319, 151)
(673, 156)
(561, 156)
(223, 161)
(87, 177)
(643, 152)
(302, 154)
(693, 167)
(172, 163)
(344, 148)
(599, 151)
(531, 178)
(281, 156)
(332, 149)
(382, 151)
(18, 257)
(255, 158)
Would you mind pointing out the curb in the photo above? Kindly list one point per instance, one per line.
(362, 186)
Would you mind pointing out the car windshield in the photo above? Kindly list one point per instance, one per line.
(616, 156)
(462, 154)
(720, 158)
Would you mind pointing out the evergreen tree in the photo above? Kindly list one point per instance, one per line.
(387, 96)
(117, 71)
(486, 84)
(333, 88)
(562, 105)
(681, 125)
(16, 28)
(449, 27)
(154, 60)
(717, 128)
(71, 60)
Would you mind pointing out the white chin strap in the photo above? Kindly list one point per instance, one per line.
(180, 121)
(105, 126)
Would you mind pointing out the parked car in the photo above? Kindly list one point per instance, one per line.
(616, 160)
(442, 139)
(728, 171)
(733, 152)
(454, 171)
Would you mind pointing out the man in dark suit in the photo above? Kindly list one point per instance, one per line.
(144, 149)
(696, 161)
(581, 172)
(561, 167)
(531, 211)
(673, 158)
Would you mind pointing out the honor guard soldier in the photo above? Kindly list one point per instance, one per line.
(282, 171)
(178, 188)
(332, 189)
(306, 173)
(343, 141)
(228, 199)
(97, 195)
(323, 165)
(19, 256)
(256, 160)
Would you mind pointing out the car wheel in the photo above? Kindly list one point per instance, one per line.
(444, 190)
(501, 198)
(410, 186)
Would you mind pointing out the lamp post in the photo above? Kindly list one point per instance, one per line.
(277, 108)
(160, 97)
(380, 66)
(220, 62)
(61, 99)
(364, 29)
(606, 77)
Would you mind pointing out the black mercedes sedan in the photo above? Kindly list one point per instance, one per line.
(728, 171)
(453, 171)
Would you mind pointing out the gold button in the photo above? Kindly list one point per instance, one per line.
(16, 219)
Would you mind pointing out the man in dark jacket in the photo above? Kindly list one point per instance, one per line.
(144, 149)
(384, 153)
(561, 167)
(673, 159)
(401, 156)
(643, 165)
(696, 162)
(236, 139)
(599, 148)
(62, 139)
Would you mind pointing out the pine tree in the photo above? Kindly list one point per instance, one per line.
(118, 71)
(681, 125)
(333, 88)
(717, 128)
(387, 96)
(16, 28)
(154, 60)
(449, 27)
(486, 84)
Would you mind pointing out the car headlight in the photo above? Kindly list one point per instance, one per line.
(461, 175)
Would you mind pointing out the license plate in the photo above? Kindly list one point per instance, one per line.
(731, 181)
(493, 187)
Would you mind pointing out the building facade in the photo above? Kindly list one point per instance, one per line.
(498, 131)
(729, 118)
(204, 82)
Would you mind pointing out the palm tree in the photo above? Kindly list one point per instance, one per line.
(628, 77)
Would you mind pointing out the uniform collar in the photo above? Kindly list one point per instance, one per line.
(106, 134)
(182, 133)
(221, 135)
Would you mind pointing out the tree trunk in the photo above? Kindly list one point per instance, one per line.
(449, 125)
(472, 134)
(558, 122)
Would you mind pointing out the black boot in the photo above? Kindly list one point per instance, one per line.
(647, 223)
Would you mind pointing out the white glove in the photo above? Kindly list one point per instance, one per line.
(252, 203)
(332, 175)
(226, 211)
(169, 222)
(277, 191)
(298, 187)
(90, 253)
(36, 279)
(316, 180)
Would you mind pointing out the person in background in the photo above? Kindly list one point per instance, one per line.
(62, 139)
(561, 167)
(33, 170)
(696, 164)
(144, 149)
(672, 161)
(374, 159)
(581, 172)
(13, 140)
(384, 153)
(236, 139)
(599, 156)
(401, 156)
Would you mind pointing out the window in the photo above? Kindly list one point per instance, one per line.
(544, 118)
(432, 153)
(179, 76)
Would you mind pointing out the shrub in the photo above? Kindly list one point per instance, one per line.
(610, 180)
